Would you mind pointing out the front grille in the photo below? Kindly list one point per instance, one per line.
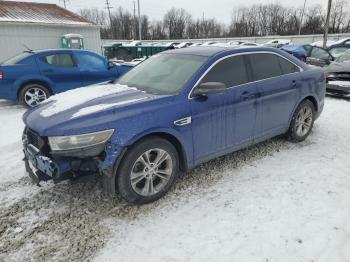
(34, 139)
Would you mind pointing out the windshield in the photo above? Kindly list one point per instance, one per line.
(163, 74)
(16, 59)
(345, 57)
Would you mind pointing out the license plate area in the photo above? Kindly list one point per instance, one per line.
(38, 162)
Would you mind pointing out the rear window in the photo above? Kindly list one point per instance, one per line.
(287, 67)
(18, 58)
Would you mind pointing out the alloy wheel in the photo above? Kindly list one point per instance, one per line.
(151, 172)
(33, 96)
(304, 120)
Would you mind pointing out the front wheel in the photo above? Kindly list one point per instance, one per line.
(302, 121)
(33, 94)
(148, 171)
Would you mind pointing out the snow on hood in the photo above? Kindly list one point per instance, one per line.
(75, 97)
(96, 108)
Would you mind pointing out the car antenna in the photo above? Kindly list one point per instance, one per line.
(28, 49)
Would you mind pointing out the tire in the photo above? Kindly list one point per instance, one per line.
(32, 94)
(302, 121)
(147, 177)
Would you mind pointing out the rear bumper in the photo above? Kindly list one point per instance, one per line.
(7, 90)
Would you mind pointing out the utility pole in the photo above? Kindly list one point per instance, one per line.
(138, 5)
(325, 37)
(109, 7)
(135, 30)
(302, 17)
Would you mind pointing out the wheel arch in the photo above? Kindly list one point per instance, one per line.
(33, 81)
(311, 98)
(175, 141)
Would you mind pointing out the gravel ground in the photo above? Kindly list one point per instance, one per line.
(63, 222)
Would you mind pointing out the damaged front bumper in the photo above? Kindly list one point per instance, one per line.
(43, 165)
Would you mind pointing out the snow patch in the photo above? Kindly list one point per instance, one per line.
(75, 97)
(96, 108)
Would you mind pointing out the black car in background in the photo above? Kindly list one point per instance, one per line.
(338, 75)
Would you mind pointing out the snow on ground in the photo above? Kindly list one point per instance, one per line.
(276, 201)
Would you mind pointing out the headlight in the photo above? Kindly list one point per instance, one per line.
(59, 143)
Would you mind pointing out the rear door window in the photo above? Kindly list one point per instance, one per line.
(264, 66)
(61, 60)
(231, 71)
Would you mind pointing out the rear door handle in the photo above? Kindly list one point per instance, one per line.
(48, 71)
(247, 95)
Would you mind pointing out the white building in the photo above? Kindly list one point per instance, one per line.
(41, 26)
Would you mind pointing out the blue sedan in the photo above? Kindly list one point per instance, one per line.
(33, 76)
(169, 114)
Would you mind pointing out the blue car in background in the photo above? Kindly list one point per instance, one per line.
(312, 55)
(170, 113)
(33, 76)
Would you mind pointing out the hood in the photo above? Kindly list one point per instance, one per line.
(84, 109)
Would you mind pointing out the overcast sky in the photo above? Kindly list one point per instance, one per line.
(155, 9)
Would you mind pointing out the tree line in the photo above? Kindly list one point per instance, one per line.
(257, 20)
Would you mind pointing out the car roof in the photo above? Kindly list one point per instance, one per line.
(209, 51)
(60, 50)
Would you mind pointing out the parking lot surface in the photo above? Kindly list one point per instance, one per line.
(276, 201)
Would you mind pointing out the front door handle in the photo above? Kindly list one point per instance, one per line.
(48, 71)
(247, 95)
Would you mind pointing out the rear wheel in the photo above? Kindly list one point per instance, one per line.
(33, 94)
(148, 171)
(302, 122)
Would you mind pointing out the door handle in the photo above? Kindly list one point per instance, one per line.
(48, 71)
(247, 95)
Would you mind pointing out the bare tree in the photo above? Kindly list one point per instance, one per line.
(256, 20)
(175, 21)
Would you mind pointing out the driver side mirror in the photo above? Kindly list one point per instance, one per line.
(208, 88)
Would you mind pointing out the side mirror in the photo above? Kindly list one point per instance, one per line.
(208, 88)
(110, 65)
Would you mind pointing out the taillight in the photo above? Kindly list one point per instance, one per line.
(1, 75)
(325, 74)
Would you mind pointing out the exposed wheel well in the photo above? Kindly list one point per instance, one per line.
(43, 83)
(176, 143)
(313, 100)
